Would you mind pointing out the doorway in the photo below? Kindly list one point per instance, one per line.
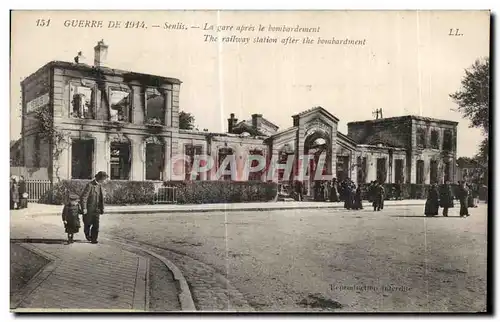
(82, 158)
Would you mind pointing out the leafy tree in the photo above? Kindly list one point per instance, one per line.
(473, 100)
(186, 121)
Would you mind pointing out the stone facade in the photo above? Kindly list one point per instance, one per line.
(127, 124)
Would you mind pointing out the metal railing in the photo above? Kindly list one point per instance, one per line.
(165, 195)
(37, 188)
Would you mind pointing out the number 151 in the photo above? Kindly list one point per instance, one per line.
(42, 23)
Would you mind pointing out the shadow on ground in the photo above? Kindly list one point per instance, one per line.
(44, 241)
(432, 217)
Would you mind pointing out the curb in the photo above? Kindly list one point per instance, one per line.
(185, 296)
(221, 209)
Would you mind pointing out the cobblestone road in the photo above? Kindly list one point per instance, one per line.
(317, 260)
(394, 260)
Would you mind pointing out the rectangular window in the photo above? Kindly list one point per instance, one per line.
(191, 151)
(223, 154)
(381, 170)
(342, 172)
(154, 161)
(420, 172)
(447, 140)
(82, 101)
(360, 169)
(257, 175)
(447, 171)
(119, 105)
(155, 106)
(421, 138)
(120, 161)
(435, 139)
(434, 171)
(82, 157)
(399, 176)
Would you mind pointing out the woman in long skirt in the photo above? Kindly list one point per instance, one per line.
(334, 195)
(358, 200)
(432, 203)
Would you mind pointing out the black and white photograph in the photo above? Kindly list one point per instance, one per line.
(264, 161)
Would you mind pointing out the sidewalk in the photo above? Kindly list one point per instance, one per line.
(42, 209)
(79, 276)
(83, 276)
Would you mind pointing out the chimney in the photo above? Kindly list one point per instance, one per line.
(256, 121)
(100, 54)
(231, 122)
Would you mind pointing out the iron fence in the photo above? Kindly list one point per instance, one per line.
(165, 195)
(37, 188)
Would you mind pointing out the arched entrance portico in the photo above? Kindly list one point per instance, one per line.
(318, 146)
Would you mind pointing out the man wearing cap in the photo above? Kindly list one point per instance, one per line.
(92, 201)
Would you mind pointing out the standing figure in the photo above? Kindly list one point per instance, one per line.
(92, 201)
(317, 188)
(358, 198)
(321, 190)
(326, 190)
(342, 191)
(70, 217)
(399, 191)
(334, 194)
(371, 191)
(446, 198)
(23, 193)
(379, 195)
(352, 188)
(299, 190)
(463, 196)
(347, 195)
(14, 194)
(475, 194)
(432, 203)
(472, 195)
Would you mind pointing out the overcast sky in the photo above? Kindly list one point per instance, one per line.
(408, 65)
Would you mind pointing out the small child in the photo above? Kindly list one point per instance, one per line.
(70, 217)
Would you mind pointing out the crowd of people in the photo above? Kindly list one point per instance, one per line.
(345, 191)
(352, 196)
(443, 197)
(18, 193)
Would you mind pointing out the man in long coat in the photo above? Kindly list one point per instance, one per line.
(92, 201)
(446, 198)
(463, 196)
(378, 198)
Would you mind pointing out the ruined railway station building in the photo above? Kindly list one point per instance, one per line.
(127, 123)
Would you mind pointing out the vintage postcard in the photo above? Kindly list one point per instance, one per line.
(249, 161)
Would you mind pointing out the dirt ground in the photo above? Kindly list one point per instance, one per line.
(24, 264)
